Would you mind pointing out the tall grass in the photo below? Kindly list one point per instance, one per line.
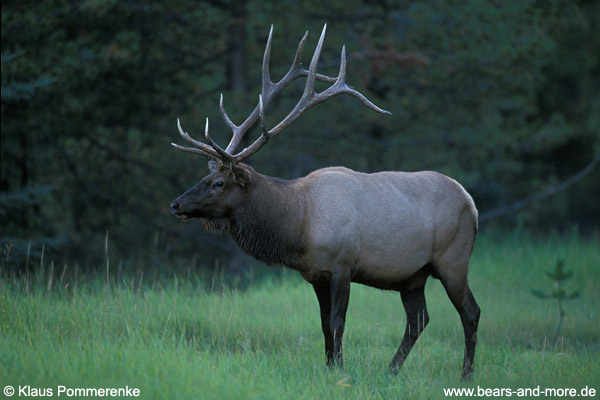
(196, 336)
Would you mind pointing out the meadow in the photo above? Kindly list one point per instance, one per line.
(193, 336)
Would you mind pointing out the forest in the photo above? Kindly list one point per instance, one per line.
(502, 96)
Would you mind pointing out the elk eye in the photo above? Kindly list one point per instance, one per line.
(218, 183)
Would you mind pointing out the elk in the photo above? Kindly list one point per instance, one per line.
(389, 230)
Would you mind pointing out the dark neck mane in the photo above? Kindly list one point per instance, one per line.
(268, 226)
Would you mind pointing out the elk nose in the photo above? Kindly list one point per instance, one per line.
(174, 206)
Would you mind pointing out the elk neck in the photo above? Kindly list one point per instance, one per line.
(270, 224)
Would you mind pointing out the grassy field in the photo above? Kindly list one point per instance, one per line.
(181, 338)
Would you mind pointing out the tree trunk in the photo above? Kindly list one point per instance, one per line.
(237, 43)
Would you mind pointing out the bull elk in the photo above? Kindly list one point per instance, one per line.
(388, 230)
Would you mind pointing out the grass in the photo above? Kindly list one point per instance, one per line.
(182, 338)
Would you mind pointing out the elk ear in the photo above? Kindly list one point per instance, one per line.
(213, 165)
(240, 175)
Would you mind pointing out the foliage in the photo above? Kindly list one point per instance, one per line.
(22, 209)
(502, 96)
(559, 294)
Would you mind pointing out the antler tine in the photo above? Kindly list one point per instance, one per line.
(263, 119)
(194, 150)
(228, 121)
(344, 88)
(309, 89)
(224, 155)
(354, 93)
(205, 149)
(298, 57)
(266, 75)
(342, 74)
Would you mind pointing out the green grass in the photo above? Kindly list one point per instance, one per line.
(175, 339)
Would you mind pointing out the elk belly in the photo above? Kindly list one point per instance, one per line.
(388, 264)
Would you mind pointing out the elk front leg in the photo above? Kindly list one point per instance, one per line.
(340, 294)
(323, 292)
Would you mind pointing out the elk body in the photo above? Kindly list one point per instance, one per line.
(389, 230)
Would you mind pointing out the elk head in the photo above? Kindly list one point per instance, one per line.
(225, 188)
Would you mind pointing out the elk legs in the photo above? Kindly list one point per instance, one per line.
(417, 319)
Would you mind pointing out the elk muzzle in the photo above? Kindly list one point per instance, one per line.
(177, 211)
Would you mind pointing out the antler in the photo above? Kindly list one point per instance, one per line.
(202, 149)
(268, 92)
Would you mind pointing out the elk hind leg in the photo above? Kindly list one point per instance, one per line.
(451, 266)
(417, 319)
(454, 279)
(465, 304)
